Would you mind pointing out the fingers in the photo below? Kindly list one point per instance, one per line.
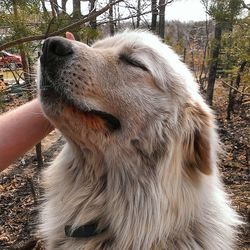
(70, 36)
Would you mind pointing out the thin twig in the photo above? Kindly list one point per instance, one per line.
(32, 188)
(124, 18)
(230, 86)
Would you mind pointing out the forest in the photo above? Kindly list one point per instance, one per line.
(216, 50)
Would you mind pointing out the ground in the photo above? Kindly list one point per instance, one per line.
(19, 184)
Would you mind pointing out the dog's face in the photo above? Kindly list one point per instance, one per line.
(124, 90)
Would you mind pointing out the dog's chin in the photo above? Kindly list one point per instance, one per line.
(54, 102)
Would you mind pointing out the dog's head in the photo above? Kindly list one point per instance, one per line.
(130, 91)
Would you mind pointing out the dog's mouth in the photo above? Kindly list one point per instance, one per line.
(51, 94)
(111, 122)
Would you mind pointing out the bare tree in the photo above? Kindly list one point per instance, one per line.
(64, 2)
(21, 47)
(138, 14)
(162, 8)
(117, 15)
(111, 20)
(233, 91)
(44, 7)
(203, 65)
(92, 23)
(131, 9)
(54, 8)
(224, 14)
(76, 9)
(57, 7)
(137, 11)
(154, 15)
(76, 16)
(215, 51)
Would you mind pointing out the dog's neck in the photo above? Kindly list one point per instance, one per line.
(129, 191)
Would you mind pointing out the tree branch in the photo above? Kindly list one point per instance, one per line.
(230, 86)
(60, 31)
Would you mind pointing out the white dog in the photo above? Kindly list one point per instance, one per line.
(138, 171)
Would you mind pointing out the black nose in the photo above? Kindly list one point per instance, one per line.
(56, 47)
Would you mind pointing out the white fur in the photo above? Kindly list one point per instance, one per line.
(147, 194)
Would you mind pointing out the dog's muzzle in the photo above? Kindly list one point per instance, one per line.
(56, 53)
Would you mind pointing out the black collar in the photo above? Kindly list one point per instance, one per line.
(85, 231)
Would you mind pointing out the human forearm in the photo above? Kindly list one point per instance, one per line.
(20, 130)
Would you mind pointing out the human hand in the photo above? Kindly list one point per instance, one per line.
(70, 36)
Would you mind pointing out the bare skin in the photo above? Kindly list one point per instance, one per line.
(22, 128)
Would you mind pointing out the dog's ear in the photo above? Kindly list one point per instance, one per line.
(200, 142)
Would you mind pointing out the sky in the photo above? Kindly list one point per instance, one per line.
(186, 10)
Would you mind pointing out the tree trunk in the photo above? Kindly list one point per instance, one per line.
(232, 92)
(184, 54)
(203, 65)
(21, 47)
(111, 18)
(138, 14)
(238, 78)
(45, 11)
(230, 103)
(64, 2)
(52, 5)
(162, 7)
(215, 51)
(76, 17)
(118, 16)
(56, 6)
(25, 65)
(93, 10)
(76, 9)
(39, 156)
(154, 15)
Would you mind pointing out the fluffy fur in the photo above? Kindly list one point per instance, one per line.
(152, 183)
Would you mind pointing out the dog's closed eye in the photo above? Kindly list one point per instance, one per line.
(131, 61)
